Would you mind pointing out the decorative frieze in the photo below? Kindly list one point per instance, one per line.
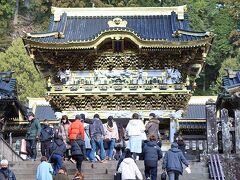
(116, 102)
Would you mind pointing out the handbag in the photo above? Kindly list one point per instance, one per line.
(118, 176)
(106, 143)
(164, 176)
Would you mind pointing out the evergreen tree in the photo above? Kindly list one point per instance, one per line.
(28, 79)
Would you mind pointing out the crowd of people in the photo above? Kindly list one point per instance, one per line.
(93, 141)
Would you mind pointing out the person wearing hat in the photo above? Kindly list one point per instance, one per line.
(152, 127)
(32, 135)
(57, 150)
(5, 172)
(172, 162)
(44, 170)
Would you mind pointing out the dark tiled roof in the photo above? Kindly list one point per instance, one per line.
(45, 112)
(195, 111)
(192, 125)
(155, 27)
(232, 79)
(8, 86)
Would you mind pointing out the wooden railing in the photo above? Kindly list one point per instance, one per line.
(215, 167)
(7, 152)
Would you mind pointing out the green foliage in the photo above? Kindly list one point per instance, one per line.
(6, 15)
(231, 63)
(16, 59)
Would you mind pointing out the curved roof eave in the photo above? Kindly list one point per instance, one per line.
(116, 34)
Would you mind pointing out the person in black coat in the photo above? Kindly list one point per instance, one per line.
(46, 135)
(56, 150)
(151, 154)
(5, 172)
(78, 151)
(172, 162)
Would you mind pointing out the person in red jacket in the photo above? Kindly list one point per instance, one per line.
(76, 129)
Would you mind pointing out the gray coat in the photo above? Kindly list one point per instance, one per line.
(96, 129)
(152, 127)
(173, 160)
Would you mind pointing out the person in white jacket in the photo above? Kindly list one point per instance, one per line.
(135, 130)
(129, 168)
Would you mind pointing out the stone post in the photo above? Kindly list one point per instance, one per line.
(237, 131)
(226, 136)
(212, 144)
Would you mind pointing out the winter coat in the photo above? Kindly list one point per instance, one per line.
(135, 130)
(129, 169)
(46, 133)
(96, 129)
(57, 147)
(87, 138)
(44, 171)
(34, 129)
(152, 127)
(63, 131)
(75, 129)
(152, 153)
(7, 174)
(111, 132)
(78, 147)
(61, 177)
(173, 160)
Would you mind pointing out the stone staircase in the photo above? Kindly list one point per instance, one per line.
(102, 171)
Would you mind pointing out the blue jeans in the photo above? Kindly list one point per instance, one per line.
(173, 175)
(111, 147)
(151, 172)
(97, 143)
(57, 162)
(88, 152)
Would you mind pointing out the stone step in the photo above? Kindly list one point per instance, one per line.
(28, 169)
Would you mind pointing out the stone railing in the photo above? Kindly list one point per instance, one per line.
(7, 152)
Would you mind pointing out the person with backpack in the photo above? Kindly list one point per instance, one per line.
(151, 154)
(46, 136)
(5, 172)
(57, 150)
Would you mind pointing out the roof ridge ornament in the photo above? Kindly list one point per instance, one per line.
(117, 22)
(119, 11)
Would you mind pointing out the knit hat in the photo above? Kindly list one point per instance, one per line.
(4, 162)
(78, 117)
(30, 114)
(82, 117)
(153, 115)
(174, 145)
